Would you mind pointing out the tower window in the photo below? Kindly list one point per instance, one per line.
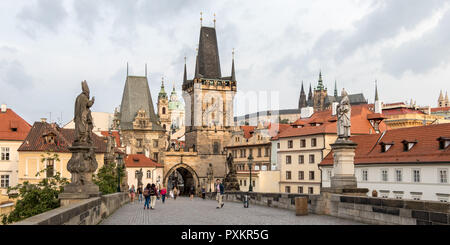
(164, 110)
(216, 147)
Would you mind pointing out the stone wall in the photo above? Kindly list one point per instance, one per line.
(87, 212)
(273, 200)
(369, 210)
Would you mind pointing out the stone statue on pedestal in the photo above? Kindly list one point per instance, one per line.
(109, 156)
(344, 111)
(231, 183)
(139, 175)
(83, 163)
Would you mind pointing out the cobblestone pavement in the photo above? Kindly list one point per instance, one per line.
(203, 212)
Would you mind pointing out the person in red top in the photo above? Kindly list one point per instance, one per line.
(163, 194)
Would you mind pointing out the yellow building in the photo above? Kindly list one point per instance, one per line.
(255, 141)
(401, 115)
(43, 141)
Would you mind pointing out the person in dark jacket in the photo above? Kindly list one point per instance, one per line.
(153, 195)
(191, 193)
(147, 195)
(220, 192)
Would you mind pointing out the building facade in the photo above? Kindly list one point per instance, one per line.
(152, 172)
(42, 142)
(13, 130)
(407, 163)
(402, 115)
(302, 147)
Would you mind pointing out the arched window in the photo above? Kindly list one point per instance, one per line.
(149, 174)
(164, 126)
(164, 110)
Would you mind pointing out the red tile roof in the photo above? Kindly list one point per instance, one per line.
(426, 150)
(360, 123)
(64, 139)
(140, 161)
(400, 111)
(440, 109)
(9, 120)
(115, 134)
(248, 131)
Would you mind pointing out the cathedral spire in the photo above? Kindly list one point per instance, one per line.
(302, 101)
(310, 96)
(208, 63)
(376, 91)
(335, 89)
(233, 74)
(185, 72)
(320, 85)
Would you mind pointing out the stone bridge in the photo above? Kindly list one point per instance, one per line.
(265, 209)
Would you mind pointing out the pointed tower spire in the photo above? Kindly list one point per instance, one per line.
(302, 101)
(185, 72)
(127, 69)
(376, 91)
(320, 85)
(162, 92)
(310, 96)
(233, 74)
(335, 89)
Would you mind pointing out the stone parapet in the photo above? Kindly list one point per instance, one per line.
(90, 211)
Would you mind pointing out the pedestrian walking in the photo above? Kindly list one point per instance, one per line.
(153, 195)
(163, 194)
(220, 191)
(147, 195)
(132, 193)
(175, 193)
(203, 193)
(139, 192)
(171, 193)
(191, 193)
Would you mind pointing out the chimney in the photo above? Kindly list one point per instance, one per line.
(128, 150)
(334, 108)
(3, 108)
(378, 107)
(306, 112)
(44, 120)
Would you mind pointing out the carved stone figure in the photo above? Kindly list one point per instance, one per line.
(139, 176)
(344, 115)
(230, 182)
(83, 118)
(109, 156)
(83, 163)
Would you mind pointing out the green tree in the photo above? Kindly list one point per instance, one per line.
(106, 179)
(38, 198)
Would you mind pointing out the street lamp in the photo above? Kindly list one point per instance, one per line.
(119, 165)
(250, 163)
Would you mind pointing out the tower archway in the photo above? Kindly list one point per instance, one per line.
(183, 177)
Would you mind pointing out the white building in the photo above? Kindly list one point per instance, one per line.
(102, 121)
(13, 130)
(152, 171)
(407, 163)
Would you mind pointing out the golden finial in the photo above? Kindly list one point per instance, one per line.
(214, 20)
(201, 18)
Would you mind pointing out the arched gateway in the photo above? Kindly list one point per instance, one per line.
(183, 176)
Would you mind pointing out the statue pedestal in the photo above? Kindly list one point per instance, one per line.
(81, 165)
(344, 167)
(230, 183)
(344, 181)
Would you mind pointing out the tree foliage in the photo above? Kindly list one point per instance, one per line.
(38, 198)
(106, 179)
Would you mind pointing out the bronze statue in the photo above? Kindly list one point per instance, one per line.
(231, 182)
(344, 110)
(231, 168)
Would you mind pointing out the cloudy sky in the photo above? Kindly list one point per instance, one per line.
(47, 47)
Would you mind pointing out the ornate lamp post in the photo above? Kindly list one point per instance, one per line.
(119, 166)
(250, 163)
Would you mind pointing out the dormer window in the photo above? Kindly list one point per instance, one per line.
(50, 138)
(444, 142)
(407, 145)
(386, 146)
